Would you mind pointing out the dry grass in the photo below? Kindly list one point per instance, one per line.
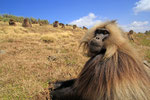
(34, 56)
(142, 42)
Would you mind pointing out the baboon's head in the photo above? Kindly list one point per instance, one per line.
(104, 38)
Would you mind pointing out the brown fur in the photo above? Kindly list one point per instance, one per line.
(26, 23)
(74, 26)
(12, 22)
(85, 28)
(60, 24)
(63, 25)
(119, 74)
(130, 35)
(116, 74)
(56, 24)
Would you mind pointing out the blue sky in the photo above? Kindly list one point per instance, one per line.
(130, 14)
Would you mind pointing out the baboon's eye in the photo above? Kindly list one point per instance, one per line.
(101, 31)
(105, 32)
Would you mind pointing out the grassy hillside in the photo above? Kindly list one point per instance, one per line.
(142, 43)
(32, 57)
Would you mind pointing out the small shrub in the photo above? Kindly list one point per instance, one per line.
(43, 22)
(147, 32)
(33, 20)
(6, 19)
(48, 38)
(1, 18)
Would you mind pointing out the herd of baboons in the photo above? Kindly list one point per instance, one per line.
(27, 23)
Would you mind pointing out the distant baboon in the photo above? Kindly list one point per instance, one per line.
(12, 22)
(63, 26)
(60, 24)
(40, 24)
(114, 71)
(147, 32)
(130, 35)
(26, 23)
(85, 28)
(55, 24)
(74, 26)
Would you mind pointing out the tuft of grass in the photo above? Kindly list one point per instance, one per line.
(48, 38)
(65, 34)
(6, 38)
(148, 55)
(145, 42)
(143, 39)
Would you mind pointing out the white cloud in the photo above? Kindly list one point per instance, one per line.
(91, 19)
(137, 26)
(139, 23)
(142, 5)
(87, 21)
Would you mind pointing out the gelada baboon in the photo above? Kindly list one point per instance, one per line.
(62, 25)
(130, 35)
(85, 28)
(26, 23)
(114, 71)
(74, 26)
(56, 24)
(12, 22)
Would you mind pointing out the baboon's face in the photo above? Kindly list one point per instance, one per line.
(96, 45)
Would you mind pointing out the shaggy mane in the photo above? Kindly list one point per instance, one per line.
(119, 74)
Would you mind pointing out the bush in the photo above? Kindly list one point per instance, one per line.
(48, 38)
(20, 19)
(147, 32)
(33, 20)
(7, 17)
(1, 18)
(43, 22)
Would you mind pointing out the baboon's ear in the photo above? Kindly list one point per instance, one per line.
(111, 22)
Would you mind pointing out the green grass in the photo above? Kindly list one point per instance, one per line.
(143, 43)
(144, 39)
(148, 55)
